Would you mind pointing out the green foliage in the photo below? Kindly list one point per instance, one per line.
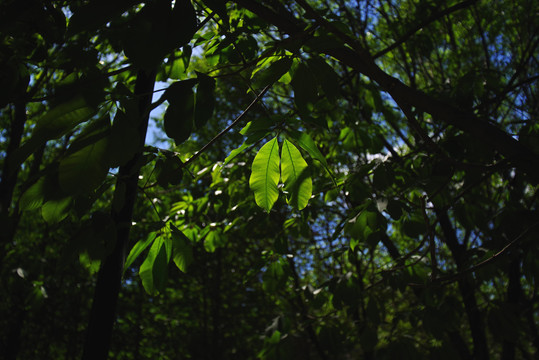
(205, 99)
(85, 167)
(180, 114)
(295, 175)
(265, 175)
(146, 41)
(153, 271)
(407, 127)
(55, 123)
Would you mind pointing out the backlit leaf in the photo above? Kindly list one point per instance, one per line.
(295, 174)
(265, 175)
(153, 271)
(139, 247)
(85, 166)
(306, 143)
(55, 123)
(33, 197)
(273, 73)
(252, 139)
(182, 251)
(56, 210)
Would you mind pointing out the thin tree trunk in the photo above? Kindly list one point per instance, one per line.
(9, 174)
(216, 301)
(514, 294)
(466, 288)
(8, 224)
(102, 315)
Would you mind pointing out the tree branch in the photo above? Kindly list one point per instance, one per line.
(434, 17)
(224, 131)
(359, 59)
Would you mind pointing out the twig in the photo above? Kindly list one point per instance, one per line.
(234, 123)
(425, 23)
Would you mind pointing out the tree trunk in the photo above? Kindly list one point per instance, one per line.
(466, 287)
(108, 285)
(9, 174)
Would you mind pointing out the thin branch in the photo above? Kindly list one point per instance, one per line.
(234, 123)
(452, 278)
(425, 23)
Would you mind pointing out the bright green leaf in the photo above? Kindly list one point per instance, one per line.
(182, 251)
(295, 174)
(34, 196)
(252, 139)
(265, 175)
(306, 143)
(273, 73)
(56, 210)
(153, 271)
(257, 125)
(139, 247)
(214, 240)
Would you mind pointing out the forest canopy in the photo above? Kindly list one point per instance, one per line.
(269, 179)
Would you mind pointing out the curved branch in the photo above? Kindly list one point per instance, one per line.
(359, 59)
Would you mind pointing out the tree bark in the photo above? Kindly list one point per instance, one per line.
(9, 175)
(514, 294)
(466, 287)
(103, 312)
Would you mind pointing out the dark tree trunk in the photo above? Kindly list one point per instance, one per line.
(467, 289)
(8, 223)
(108, 285)
(514, 294)
(9, 173)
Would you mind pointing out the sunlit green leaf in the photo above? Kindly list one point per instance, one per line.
(153, 271)
(265, 175)
(182, 251)
(56, 210)
(306, 143)
(214, 240)
(139, 247)
(257, 125)
(33, 197)
(252, 139)
(273, 73)
(295, 174)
